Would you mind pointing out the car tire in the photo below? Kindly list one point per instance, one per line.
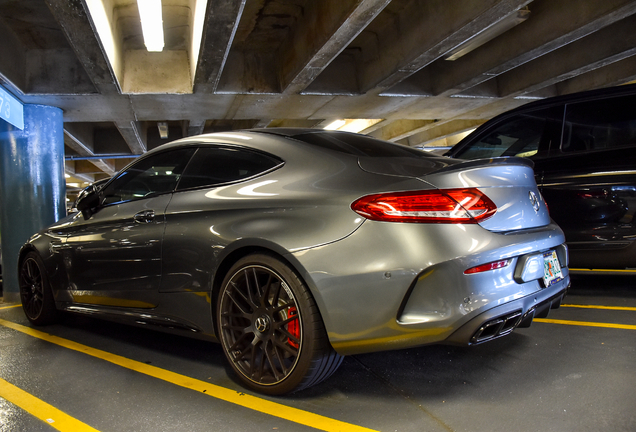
(35, 292)
(270, 328)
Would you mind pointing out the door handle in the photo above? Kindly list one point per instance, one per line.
(146, 216)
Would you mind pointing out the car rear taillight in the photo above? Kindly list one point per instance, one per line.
(487, 267)
(435, 206)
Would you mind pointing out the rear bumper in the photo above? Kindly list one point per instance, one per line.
(393, 286)
(502, 320)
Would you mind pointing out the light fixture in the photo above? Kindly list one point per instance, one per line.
(151, 24)
(352, 125)
(488, 34)
(163, 129)
(335, 125)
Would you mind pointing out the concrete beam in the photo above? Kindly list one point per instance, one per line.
(80, 138)
(70, 169)
(135, 136)
(618, 73)
(442, 131)
(423, 32)
(195, 127)
(328, 28)
(535, 37)
(104, 165)
(608, 45)
(76, 24)
(400, 129)
(86, 167)
(221, 21)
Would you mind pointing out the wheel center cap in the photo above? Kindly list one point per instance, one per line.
(262, 323)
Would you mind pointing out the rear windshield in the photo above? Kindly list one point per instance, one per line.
(358, 145)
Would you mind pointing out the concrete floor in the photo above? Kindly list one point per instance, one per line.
(549, 377)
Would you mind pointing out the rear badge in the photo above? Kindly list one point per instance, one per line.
(535, 201)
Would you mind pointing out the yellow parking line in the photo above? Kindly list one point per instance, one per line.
(621, 308)
(624, 271)
(252, 402)
(40, 409)
(11, 306)
(587, 324)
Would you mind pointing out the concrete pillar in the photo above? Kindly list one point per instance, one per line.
(32, 184)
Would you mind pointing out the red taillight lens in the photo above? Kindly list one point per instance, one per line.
(434, 206)
(486, 267)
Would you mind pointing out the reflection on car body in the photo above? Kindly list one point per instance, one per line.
(583, 147)
(294, 247)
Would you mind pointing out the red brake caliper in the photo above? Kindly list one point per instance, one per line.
(293, 327)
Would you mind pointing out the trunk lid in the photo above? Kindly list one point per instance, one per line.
(508, 182)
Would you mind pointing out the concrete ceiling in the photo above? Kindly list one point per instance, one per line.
(270, 63)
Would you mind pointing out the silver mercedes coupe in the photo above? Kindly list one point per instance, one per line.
(296, 247)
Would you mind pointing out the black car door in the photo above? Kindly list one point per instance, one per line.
(590, 182)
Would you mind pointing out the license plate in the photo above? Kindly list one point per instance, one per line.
(551, 268)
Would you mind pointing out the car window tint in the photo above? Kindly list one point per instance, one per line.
(150, 176)
(217, 165)
(520, 136)
(597, 125)
(358, 145)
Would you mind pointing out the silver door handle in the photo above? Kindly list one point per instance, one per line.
(146, 216)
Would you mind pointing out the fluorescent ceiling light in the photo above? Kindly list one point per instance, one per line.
(352, 125)
(488, 34)
(335, 125)
(151, 24)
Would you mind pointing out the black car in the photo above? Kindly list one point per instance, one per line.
(584, 149)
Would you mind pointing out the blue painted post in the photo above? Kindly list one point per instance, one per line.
(32, 184)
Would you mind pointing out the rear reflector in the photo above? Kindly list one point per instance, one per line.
(434, 206)
(486, 267)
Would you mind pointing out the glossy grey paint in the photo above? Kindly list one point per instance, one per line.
(378, 285)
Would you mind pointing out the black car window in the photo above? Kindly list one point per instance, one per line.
(598, 125)
(216, 165)
(524, 135)
(149, 176)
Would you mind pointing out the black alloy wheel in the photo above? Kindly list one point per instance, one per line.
(35, 292)
(270, 328)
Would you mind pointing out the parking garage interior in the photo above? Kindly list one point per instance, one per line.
(93, 96)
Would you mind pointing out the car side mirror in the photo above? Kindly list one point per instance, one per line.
(88, 201)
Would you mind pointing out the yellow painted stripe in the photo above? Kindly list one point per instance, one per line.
(40, 409)
(620, 308)
(603, 270)
(9, 307)
(587, 324)
(252, 402)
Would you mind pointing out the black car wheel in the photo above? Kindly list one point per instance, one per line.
(270, 327)
(35, 291)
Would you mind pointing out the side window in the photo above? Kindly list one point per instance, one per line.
(218, 165)
(150, 176)
(524, 135)
(598, 125)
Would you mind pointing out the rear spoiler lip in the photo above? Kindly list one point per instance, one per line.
(504, 160)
